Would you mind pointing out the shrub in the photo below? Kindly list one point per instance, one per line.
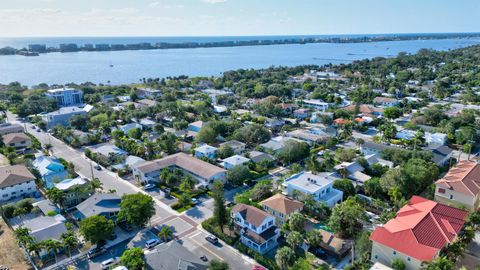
(261, 259)
(211, 226)
(51, 213)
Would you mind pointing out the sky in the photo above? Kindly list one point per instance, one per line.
(25, 18)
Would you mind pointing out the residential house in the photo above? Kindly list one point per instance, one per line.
(51, 170)
(307, 136)
(147, 123)
(386, 101)
(441, 154)
(320, 186)
(257, 156)
(16, 181)
(196, 126)
(352, 171)
(365, 110)
(316, 104)
(127, 127)
(331, 244)
(287, 108)
(129, 163)
(302, 113)
(20, 141)
(173, 255)
(370, 148)
(233, 161)
(66, 96)
(436, 138)
(257, 228)
(281, 207)
(460, 186)
(203, 171)
(61, 117)
(206, 150)
(276, 144)
(421, 229)
(148, 93)
(237, 147)
(103, 204)
(7, 128)
(146, 103)
(76, 190)
(375, 159)
(274, 123)
(108, 153)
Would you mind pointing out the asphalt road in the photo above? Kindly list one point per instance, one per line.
(186, 225)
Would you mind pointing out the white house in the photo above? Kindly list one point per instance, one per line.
(206, 151)
(233, 161)
(16, 181)
(386, 101)
(435, 138)
(316, 104)
(257, 228)
(66, 96)
(319, 186)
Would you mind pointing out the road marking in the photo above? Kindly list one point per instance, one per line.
(211, 252)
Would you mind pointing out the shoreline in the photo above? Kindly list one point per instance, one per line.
(37, 49)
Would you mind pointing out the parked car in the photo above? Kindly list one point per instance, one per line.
(152, 243)
(107, 263)
(97, 167)
(92, 253)
(149, 186)
(125, 226)
(212, 239)
(121, 267)
(195, 201)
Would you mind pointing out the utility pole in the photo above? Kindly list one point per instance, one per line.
(91, 170)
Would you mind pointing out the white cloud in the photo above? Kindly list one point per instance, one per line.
(214, 1)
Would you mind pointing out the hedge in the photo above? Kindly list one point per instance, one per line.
(261, 259)
(211, 226)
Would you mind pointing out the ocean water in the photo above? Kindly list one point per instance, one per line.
(116, 67)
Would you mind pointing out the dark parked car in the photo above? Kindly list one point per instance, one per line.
(212, 239)
(94, 252)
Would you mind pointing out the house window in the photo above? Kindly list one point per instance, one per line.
(441, 190)
(408, 259)
(394, 252)
(270, 223)
(376, 256)
(451, 197)
(253, 227)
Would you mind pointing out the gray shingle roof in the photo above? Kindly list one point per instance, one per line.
(173, 255)
(99, 203)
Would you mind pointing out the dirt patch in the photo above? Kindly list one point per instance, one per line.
(10, 254)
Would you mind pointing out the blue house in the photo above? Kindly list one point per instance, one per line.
(51, 170)
(196, 126)
(206, 151)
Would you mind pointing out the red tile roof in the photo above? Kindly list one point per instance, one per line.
(463, 178)
(421, 228)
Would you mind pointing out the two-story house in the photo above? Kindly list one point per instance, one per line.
(51, 170)
(281, 207)
(386, 101)
(206, 150)
(76, 190)
(320, 186)
(237, 147)
(460, 186)
(16, 181)
(20, 141)
(233, 161)
(420, 230)
(256, 227)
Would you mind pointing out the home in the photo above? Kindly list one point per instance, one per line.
(7, 128)
(376, 159)
(320, 186)
(203, 171)
(20, 141)
(148, 93)
(256, 227)
(66, 96)
(76, 190)
(61, 117)
(441, 154)
(257, 156)
(276, 144)
(129, 163)
(287, 108)
(331, 244)
(220, 109)
(173, 255)
(421, 229)
(108, 153)
(281, 207)
(352, 171)
(460, 187)
(370, 148)
(146, 103)
(274, 123)
(51, 170)
(302, 113)
(126, 128)
(206, 151)
(309, 137)
(147, 123)
(436, 138)
(196, 126)
(386, 101)
(236, 146)
(364, 110)
(233, 161)
(102, 204)
(16, 181)
(316, 104)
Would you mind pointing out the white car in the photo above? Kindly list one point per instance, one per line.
(121, 267)
(107, 263)
(152, 243)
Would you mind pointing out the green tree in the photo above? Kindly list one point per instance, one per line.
(237, 175)
(296, 222)
(363, 245)
(392, 112)
(218, 265)
(439, 263)
(206, 135)
(57, 196)
(293, 151)
(346, 186)
(219, 209)
(284, 258)
(398, 264)
(96, 228)
(389, 131)
(165, 233)
(135, 133)
(314, 238)
(225, 151)
(294, 239)
(133, 258)
(136, 209)
(346, 218)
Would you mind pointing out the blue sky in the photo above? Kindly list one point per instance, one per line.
(234, 17)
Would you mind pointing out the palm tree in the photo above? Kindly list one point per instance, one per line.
(95, 184)
(34, 247)
(440, 263)
(313, 165)
(53, 246)
(69, 241)
(57, 196)
(23, 236)
(165, 233)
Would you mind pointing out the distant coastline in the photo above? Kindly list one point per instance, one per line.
(38, 48)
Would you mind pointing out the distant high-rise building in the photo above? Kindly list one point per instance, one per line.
(66, 96)
(39, 48)
(68, 47)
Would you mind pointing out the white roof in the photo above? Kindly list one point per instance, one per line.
(309, 181)
(315, 102)
(206, 149)
(236, 160)
(68, 183)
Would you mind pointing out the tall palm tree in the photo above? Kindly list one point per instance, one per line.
(95, 184)
(53, 246)
(440, 263)
(165, 233)
(57, 196)
(69, 242)
(23, 236)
